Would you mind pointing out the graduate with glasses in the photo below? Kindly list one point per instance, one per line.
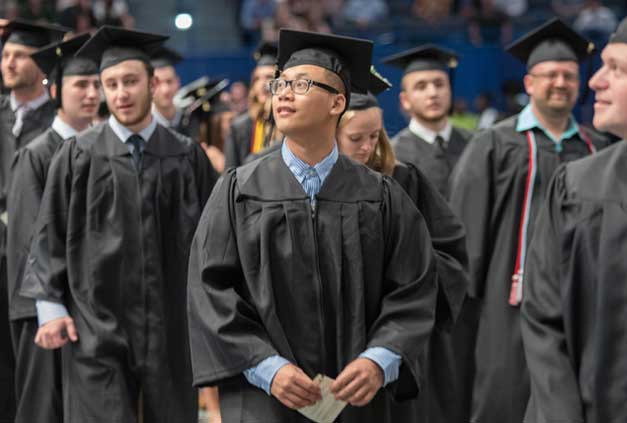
(497, 189)
(307, 263)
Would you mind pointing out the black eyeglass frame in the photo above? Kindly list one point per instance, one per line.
(289, 82)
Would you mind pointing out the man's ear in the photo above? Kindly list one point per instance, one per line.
(152, 84)
(53, 91)
(339, 105)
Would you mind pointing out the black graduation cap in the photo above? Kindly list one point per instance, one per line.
(60, 55)
(32, 34)
(57, 60)
(200, 96)
(165, 56)
(378, 84)
(347, 57)
(111, 45)
(266, 54)
(553, 41)
(620, 36)
(423, 58)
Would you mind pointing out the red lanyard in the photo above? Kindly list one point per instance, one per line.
(516, 289)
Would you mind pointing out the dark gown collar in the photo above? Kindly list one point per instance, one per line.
(270, 179)
(162, 143)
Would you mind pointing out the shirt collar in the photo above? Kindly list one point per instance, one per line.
(124, 133)
(31, 105)
(427, 134)
(300, 168)
(164, 121)
(527, 120)
(63, 129)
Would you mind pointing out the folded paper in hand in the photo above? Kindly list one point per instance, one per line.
(328, 408)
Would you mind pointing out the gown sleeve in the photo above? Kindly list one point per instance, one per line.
(24, 198)
(407, 314)
(226, 333)
(554, 388)
(45, 275)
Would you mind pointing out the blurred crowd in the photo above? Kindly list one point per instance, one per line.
(479, 19)
(80, 15)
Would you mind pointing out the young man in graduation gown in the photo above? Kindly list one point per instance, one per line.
(497, 189)
(250, 129)
(168, 84)
(25, 112)
(430, 142)
(307, 263)
(574, 297)
(108, 262)
(74, 85)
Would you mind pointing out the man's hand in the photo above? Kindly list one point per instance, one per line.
(56, 333)
(294, 388)
(358, 383)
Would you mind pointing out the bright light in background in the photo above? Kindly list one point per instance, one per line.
(183, 21)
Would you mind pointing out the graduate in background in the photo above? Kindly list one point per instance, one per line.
(168, 84)
(249, 131)
(108, 262)
(574, 297)
(497, 189)
(362, 137)
(25, 112)
(430, 142)
(203, 110)
(307, 263)
(74, 86)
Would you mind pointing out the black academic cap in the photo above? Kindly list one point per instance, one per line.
(32, 34)
(423, 58)
(111, 45)
(59, 56)
(620, 36)
(378, 84)
(347, 57)
(553, 41)
(57, 60)
(165, 56)
(266, 54)
(200, 93)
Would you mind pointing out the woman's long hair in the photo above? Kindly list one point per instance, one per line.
(382, 158)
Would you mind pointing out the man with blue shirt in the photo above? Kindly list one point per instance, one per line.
(497, 189)
(306, 263)
(75, 90)
(108, 261)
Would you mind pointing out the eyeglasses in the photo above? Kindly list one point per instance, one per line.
(298, 86)
(569, 78)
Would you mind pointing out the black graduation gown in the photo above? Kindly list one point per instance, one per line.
(35, 122)
(28, 179)
(487, 193)
(439, 398)
(575, 298)
(112, 244)
(268, 276)
(409, 148)
(38, 378)
(237, 144)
